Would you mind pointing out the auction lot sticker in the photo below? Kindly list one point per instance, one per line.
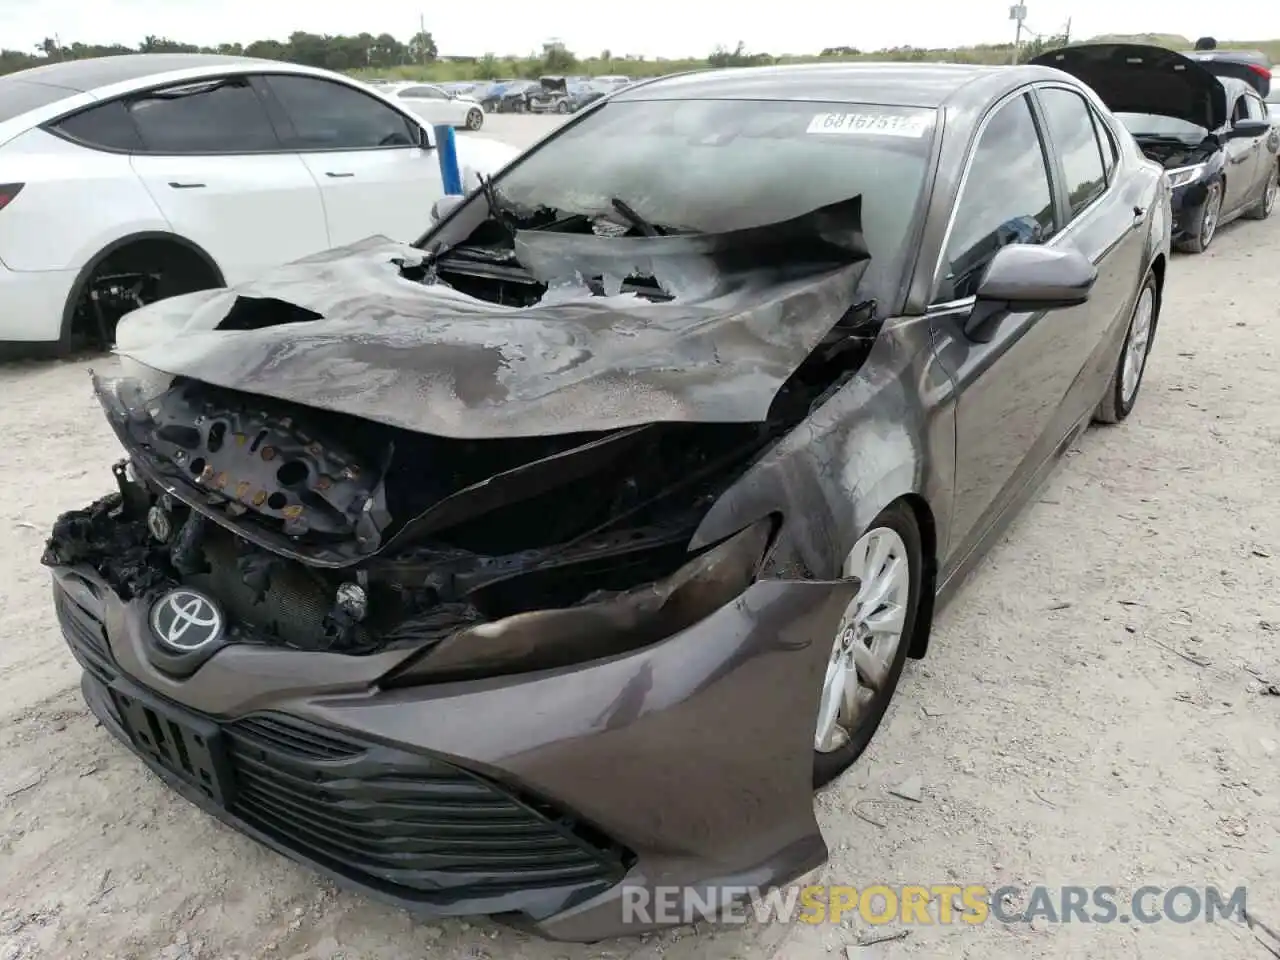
(879, 124)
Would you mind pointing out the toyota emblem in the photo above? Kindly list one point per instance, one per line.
(186, 620)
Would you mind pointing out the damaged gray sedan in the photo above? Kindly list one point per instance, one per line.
(564, 552)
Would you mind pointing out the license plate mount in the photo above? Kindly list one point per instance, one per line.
(190, 747)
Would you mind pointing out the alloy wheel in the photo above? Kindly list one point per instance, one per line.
(1138, 345)
(1209, 219)
(868, 638)
(1273, 188)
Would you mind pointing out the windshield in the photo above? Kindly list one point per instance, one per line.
(711, 166)
(1154, 125)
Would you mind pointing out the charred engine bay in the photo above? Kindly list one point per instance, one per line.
(475, 530)
(321, 529)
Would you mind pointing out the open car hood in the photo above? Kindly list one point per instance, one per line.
(1136, 78)
(356, 330)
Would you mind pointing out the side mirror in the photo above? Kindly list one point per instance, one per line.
(445, 206)
(1243, 129)
(1026, 278)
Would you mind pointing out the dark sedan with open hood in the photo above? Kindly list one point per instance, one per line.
(554, 559)
(1211, 133)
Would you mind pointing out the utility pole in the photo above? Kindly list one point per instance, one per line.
(422, 36)
(1066, 34)
(1017, 13)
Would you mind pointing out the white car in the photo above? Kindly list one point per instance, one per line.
(436, 105)
(127, 179)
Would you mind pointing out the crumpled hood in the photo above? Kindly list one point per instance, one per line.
(1136, 78)
(368, 342)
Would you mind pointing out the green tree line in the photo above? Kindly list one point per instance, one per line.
(418, 58)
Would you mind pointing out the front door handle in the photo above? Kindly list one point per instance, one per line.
(336, 175)
(185, 186)
(1139, 214)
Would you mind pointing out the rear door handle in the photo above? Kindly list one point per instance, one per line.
(185, 186)
(330, 173)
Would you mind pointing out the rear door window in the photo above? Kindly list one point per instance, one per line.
(332, 116)
(1071, 129)
(1005, 199)
(1107, 140)
(213, 116)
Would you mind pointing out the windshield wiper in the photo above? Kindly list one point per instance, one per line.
(637, 221)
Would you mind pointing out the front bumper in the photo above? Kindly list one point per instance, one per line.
(538, 798)
(1187, 205)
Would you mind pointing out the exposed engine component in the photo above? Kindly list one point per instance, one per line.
(159, 524)
(1172, 153)
(352, 600)
(259, 460)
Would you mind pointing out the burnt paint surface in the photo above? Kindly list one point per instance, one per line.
(429, 359)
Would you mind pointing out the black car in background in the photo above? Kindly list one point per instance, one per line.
(1212, 134)
(1251, 66)
(510, 96)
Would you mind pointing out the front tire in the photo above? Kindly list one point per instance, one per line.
(1122, 390)
(1210, 215)
(872, 640)
(475, 119)
(1267, 202)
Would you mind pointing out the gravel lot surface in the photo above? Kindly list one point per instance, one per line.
(1093, 710)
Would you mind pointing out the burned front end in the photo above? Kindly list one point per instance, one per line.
(411, 586)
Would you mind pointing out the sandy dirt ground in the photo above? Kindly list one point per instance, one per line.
(1093, 710)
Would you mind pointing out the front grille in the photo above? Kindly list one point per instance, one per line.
(85, 635)
(391, 818)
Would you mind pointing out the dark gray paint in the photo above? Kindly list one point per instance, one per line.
(639, 743)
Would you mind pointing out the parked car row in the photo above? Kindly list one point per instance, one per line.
(547, 94)
(669, 458)
(127, 179)
(1204, 120)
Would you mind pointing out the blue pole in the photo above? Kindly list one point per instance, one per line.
(447, 148)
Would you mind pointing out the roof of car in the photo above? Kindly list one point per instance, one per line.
(87, 75)
(899, 84)
(1239, 56)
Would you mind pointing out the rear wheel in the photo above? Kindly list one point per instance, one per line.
(1122, 390)
(1267, 202)
(475, 119)
(133, 276)
(870, 647)
(1210, 215)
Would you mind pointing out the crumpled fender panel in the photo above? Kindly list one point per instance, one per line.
(429, 359)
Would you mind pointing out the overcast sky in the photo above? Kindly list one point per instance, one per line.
(667, 28)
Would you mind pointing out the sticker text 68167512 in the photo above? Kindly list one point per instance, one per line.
(874, 124)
